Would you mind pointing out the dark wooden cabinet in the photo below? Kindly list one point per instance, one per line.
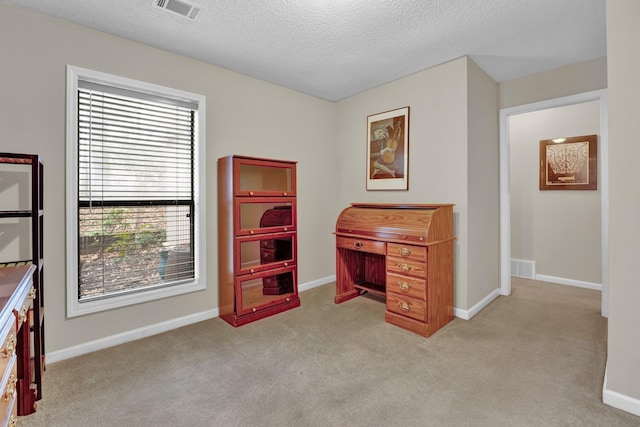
(401, 252)
(16, 307)
(30, 342)
(257, 238)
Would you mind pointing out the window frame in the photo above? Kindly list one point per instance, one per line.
(75, 307)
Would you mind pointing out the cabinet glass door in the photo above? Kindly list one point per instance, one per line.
(262, 177)
(255, 254)
(264, 215)
(262, 290)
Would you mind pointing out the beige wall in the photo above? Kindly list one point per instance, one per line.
(560, 230)
(244, 116)
(623, 361)
(483, 183)
(564, 81)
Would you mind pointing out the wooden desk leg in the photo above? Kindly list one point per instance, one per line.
(347, 273)
(345, 296)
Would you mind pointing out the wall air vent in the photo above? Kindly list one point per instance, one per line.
(186, 9)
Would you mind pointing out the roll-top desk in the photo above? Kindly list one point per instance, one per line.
(402, 252)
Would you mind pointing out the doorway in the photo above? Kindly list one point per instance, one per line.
(505, 183)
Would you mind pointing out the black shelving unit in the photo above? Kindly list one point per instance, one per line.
(31, 366)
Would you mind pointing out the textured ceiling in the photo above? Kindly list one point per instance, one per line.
(333, 49)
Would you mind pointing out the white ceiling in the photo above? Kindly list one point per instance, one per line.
(333, 49)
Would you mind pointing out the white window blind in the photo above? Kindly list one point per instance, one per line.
(135, 190)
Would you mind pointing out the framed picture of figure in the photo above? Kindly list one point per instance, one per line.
(388, 150)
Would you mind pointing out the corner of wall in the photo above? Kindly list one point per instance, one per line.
(618, 400)
(483, 184)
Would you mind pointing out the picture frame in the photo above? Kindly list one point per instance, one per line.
(388, 150)
(569, 163)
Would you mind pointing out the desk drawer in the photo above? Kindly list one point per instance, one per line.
(9, 342)
(407, 306)
(407, 286)
(408, 267)
(361, 245)
(417, 253)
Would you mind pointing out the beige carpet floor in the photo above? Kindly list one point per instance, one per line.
(535, 358)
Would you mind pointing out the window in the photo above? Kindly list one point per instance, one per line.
(135, 199)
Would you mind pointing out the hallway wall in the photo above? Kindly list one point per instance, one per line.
(558, 229)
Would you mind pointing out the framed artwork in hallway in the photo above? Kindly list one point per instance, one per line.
(569, 163)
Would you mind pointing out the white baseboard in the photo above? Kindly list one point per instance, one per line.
(128, 336)
(619, 400)
(569, 282)
(147, 331)
(315, 283)
(468, 314)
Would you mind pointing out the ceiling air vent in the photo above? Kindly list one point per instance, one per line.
(188, 10)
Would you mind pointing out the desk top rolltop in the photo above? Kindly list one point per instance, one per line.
(415, 224)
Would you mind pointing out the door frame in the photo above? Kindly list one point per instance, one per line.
(505, 195)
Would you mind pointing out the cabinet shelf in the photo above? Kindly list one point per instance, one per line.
(16, 214)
